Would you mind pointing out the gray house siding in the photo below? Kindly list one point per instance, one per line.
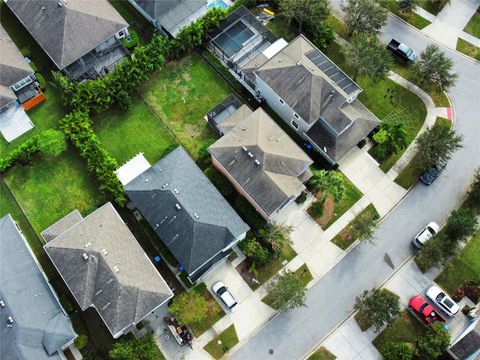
(283, 110)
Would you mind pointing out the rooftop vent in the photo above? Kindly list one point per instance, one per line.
(178, 207)
(2, 303)
(146, 180)
(196, 216)
(280, 60)
(244, 148)
(60, 4)
(257, 162)
(116, 269)
(175, 237)
(299, 63)
(85, 256)
(176, 191)
(164, 185)
(10, 320)
(250, 155)
(104, 252)
(244, 128)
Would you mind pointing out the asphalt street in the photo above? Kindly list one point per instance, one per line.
(291, 335)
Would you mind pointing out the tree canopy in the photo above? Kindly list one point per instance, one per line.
(364, 16)
(362, 228)
(461, 224)
(378, 307)
(277, 235)
(288, 291)
(328, 182)
(434, 342)
(144, 348)
(189, 307)
(310, 13)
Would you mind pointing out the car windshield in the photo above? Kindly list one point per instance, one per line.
(440, 297)
(409, 52)
(423, 307)
(222, 290)
(448, 303)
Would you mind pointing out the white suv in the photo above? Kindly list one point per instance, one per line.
(442, 300)
(227, 298)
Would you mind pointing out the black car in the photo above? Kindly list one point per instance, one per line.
(431, 174)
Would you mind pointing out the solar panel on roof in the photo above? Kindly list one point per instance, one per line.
(332, 71)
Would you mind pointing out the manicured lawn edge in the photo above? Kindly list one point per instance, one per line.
(473, 26)
(433, 7)
(468, 49)
(215, 311)
(322, 354)
(342, 239)
(228, 340)
(412, 18)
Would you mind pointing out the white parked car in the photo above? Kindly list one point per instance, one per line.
(222, 292)
(426, 234)
(443, 301)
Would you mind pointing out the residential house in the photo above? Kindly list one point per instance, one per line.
(34, 325)
(105, 268)
(170, 16)
(466, 346)
(19, 90)
(300, 83)
(81, 37)
(186, 211)
(263, 163)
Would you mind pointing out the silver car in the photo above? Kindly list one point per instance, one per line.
(442, 300)
(227, 298)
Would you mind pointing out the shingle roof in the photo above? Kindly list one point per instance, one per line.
(68, 32)
(468, 345)
(186, 211)
(13, 67)
(282, 162)
(40, 327)
(115, 276)
(156, 8)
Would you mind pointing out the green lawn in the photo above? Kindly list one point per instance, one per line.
(352, 195)
(273, 266)
(228, 339)
(405, 328)
(322, 354)
(409, 175)
(343, 239)
(473, 26)
(280, 28)
(305, 276)
(124, 134)
(433, 6)
(214, 314)
(465, 267)
(412, 18)
(181, 94)
(468, 49)
(338, 26)
(49, 189)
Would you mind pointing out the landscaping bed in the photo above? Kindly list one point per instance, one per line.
(468, 49)
(473, 26)
(228, 339)
(124, 134)
(432, 6)
(412, 18)
(215, 311)
(264, 272)
(322, 354)
(343, 239)
(181, 94)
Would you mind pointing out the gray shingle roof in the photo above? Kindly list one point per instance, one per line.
(204, 225)
(468, 345)
(116, 277)
(156, 8)
(68, 32)
(282, 162)
(13, 67)
(40, 327)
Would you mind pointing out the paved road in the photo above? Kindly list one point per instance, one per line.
(330, 300)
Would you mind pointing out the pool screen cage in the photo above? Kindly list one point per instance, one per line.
(233, 49)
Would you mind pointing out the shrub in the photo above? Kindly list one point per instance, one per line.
(301, 198)
(397, 351)
(81, 341)
(377, 307)
(51, 143)
(132, 42)
(169, 149)
(203, 154)
(254, 251)
(41, 81)
(33, 66)
(26, 51)
(316, 209)
(189, 307)
(220, 182)
(471, 291)
(434, 342)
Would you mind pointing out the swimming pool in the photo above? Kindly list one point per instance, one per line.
(219, 4)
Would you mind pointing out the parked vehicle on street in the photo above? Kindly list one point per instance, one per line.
(426, 234)
(438, 297)
(423, 310)
(227, 298)
(431, 174)
(401, 51)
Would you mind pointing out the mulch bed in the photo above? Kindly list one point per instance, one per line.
(242, 269)
(328, 210)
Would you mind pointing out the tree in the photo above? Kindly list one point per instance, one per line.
(189, 307)
(252, 249)
(474, 192)
(144, 348)
(81, 341)
(362, 228)
(51, 143)
(407, 6)
(434, 342)
(434, 69)
(368, 56)
(432, 253)
(390, 138)
(305, 12)
(329, 183)
(461, 224)
(364, 16)
(277, 235)
(437, 143)
(288, 291)
(397, 351)
(377, 307)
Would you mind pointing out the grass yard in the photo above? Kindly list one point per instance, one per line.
(338, 26)
(322, 354)
(124, 134)
(468, 49)
(49, 189)
(409, 175)
(343, 239)
(473, 26)
(433, 6)
(228, 339)
(215, 312)
(305, 276)
(181, 94)
(404, 329)
(412, 18)
(465, 267)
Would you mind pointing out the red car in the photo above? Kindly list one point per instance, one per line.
(424, 310)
